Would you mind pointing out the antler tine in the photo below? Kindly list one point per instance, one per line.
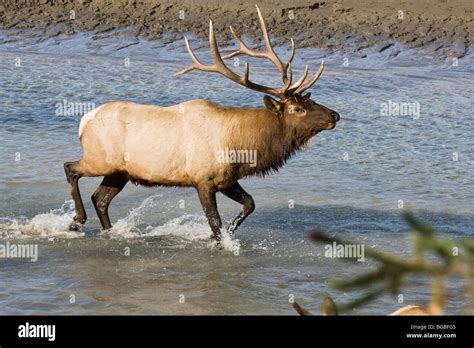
(292, 54)
(219, 65)
(246, 72)
(311, 81)
(244, 49)
(289, 79)
(196, 63)
(213, 47)
(298, 83)
(270, 52)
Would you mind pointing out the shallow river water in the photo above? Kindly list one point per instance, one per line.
(353, 182)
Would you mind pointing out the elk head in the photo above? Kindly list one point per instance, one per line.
(298, 111)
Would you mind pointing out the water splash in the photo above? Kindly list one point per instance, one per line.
(229, 242)
(188, 227)
(128, 227)
(52, 224)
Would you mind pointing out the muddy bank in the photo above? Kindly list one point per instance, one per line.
(442, 28)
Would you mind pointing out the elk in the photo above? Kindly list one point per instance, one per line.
(178, 145)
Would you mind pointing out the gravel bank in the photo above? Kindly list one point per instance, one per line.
(443, 28)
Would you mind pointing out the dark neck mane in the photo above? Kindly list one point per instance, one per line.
(265, 132)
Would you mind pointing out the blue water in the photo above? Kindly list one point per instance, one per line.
(353, 182)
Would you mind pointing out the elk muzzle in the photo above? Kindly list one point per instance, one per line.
(333, 119)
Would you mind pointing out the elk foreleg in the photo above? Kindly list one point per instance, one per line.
(108, 189)
(207, 196)
(238, 194)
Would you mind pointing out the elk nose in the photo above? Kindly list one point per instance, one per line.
(335, 116)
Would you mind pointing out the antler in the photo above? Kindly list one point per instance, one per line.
(284, 68)
(220, 67)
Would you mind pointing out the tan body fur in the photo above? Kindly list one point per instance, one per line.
(178, 145)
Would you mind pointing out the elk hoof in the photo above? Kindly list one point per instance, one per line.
(217, 241)
(75, 226)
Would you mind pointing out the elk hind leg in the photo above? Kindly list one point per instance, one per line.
(107, 190)
(74, 172)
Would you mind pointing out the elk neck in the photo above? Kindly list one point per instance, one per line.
(269, 135)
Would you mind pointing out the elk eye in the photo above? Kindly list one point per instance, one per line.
(298, 109)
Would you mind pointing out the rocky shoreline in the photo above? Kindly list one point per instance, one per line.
(441, 28)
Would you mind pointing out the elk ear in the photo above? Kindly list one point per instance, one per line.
(307, 96)
(273, 105)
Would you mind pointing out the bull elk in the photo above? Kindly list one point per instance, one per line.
(177, 145)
